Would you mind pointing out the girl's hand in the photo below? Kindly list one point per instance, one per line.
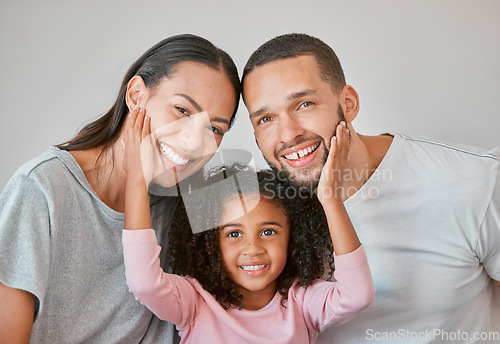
(331, 182)
(137, 161)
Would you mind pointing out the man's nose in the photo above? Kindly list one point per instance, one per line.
(290, 128)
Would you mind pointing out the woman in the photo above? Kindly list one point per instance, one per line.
(61, 215)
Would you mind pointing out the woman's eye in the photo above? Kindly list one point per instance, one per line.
(215, 130)
(267, 232)
(264, 120)
(305, 104)
(182, 111)
(234, 234)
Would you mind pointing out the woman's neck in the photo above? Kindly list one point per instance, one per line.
(105, 174)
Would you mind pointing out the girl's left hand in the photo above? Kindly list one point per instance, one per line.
(136, 147)
(330, 186)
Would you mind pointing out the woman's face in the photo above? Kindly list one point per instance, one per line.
(189, 114)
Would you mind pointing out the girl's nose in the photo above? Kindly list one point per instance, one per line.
(253, 247)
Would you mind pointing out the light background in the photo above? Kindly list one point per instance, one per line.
(426, 68)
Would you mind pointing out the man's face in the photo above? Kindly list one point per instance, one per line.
(294, 114)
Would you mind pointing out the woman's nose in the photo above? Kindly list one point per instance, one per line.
(194, 134)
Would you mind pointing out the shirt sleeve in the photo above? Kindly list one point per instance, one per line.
(488, 247)
(25, 236)
(334, 303)
(170, 297)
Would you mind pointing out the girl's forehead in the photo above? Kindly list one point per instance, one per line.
(238, 205)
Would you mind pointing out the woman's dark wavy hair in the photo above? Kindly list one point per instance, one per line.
(153, 66)
(310, 251)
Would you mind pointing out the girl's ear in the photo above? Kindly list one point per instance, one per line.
(349, 101)
(137, 93)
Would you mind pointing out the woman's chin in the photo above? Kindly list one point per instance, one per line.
(169, 178)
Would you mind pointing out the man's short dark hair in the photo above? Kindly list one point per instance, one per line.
(299, 44)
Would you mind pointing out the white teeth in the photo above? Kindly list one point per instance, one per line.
(172, 156)
(253, 267)
(302, 153)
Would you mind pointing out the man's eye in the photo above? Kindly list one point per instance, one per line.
(267, 232)
(182, 111)
(305, 104)
(264, 120)
(234, 234)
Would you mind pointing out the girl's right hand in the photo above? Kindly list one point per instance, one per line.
(331, 182)
(136, 147)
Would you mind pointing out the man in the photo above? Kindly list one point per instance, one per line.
(427, 213)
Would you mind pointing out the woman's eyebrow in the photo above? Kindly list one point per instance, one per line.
(191, 100)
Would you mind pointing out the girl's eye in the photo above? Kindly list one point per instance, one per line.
(267, 232)
(182, 111)
(305, 104)
(264, 120)
(234, 234)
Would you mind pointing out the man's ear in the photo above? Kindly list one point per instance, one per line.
(349, 100)
(137, 93)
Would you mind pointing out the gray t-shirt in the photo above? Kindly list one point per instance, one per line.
(60, 242)
(429, 220)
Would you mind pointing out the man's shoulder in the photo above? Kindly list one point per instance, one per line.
(474, 169)
(443, 156)
(453, 149)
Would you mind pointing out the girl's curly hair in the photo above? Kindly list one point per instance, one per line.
(310, 251)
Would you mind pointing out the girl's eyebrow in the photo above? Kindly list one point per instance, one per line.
(231, 225)
(271, 223)
(267, 223)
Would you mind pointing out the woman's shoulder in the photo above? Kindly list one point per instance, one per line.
(51, 167)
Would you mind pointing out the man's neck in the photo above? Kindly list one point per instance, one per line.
(365, 155)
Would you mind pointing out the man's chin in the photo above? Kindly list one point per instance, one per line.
(303, 179)
(298, 178)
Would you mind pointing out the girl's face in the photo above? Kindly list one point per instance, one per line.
(254, 249)
(190, 113)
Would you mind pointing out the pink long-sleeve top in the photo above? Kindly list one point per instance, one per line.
(201, 319)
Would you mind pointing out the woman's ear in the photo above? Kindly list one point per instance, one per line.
(349, 101)
(137, 93)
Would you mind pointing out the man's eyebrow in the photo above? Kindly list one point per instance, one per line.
(191, 100)
(300, 94)
(291, 96)
(258, 112)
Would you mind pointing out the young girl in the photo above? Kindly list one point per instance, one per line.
(253, 279)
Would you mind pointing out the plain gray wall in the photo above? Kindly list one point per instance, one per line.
(426, 68)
